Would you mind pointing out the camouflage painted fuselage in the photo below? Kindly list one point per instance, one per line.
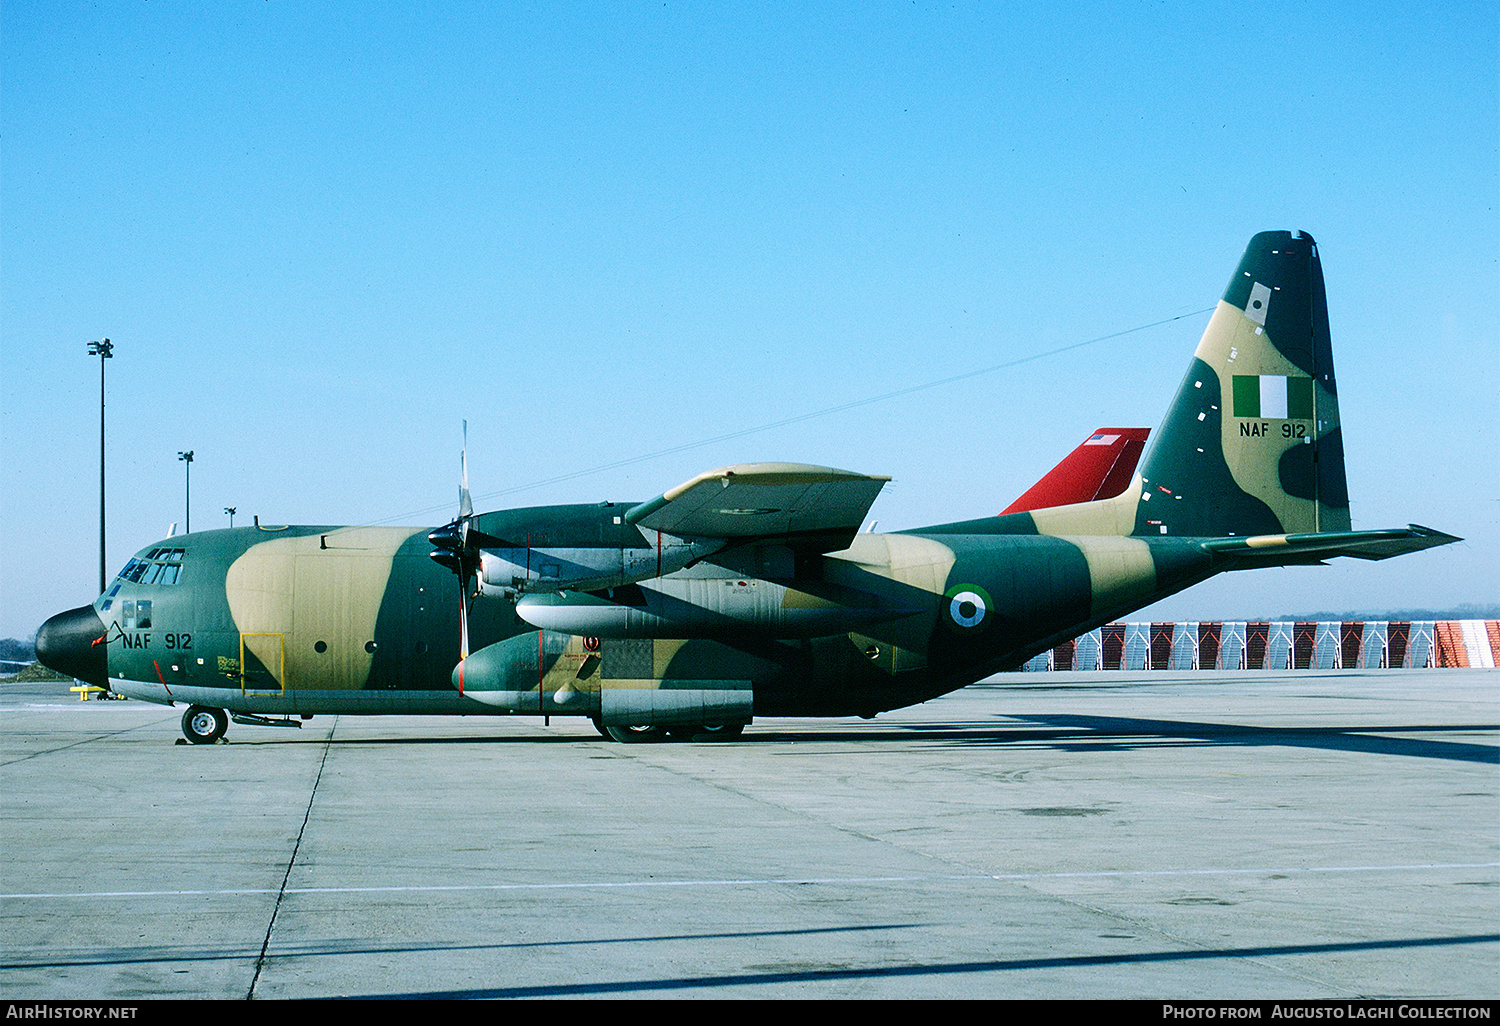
(307, 620)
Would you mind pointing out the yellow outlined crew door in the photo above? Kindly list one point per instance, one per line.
(263, 664)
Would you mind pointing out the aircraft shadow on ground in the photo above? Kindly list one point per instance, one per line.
(835, 973)
(169, 953)
(799, 975)
(1063, 732)
(1123, 733)
(1068, 732)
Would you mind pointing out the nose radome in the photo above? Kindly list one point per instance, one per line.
(73, 643)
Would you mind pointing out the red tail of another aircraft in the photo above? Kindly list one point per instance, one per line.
(1100, 468)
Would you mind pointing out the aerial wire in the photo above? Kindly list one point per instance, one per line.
(801, 417)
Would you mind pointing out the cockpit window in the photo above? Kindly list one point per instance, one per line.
(158, 566)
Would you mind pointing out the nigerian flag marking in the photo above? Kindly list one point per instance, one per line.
(1273, 396)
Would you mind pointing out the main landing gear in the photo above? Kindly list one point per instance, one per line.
(716, 732)
(203, 726)
(693, 732)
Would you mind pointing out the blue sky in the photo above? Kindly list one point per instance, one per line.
(322, 235)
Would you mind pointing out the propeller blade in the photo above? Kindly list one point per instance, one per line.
(463, 621)
(465, 503)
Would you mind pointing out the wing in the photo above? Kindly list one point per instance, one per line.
(795, 503)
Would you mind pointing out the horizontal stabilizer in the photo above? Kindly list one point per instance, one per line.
(762, 500)
(1279, 549)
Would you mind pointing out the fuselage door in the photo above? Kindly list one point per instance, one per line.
(263, 664)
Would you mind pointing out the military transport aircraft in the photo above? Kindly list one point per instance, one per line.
(748, 590)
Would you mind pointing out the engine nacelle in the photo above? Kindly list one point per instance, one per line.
(505, 571)
(710, 608)
(615, 681)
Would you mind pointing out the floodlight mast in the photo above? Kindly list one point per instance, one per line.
(187, 502)
(104, 350)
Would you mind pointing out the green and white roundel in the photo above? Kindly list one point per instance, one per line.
(965, 606)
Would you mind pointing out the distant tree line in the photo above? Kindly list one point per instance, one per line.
(14, 650)
(1468, 611)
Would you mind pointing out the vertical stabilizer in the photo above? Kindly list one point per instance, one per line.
(1251, 444)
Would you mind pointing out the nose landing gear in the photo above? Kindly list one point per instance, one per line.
(203, 726)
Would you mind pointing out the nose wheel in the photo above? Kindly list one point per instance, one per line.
(203, 726)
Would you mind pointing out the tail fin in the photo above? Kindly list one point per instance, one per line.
(1249, 458)
(1251, 445)
(1101, 468)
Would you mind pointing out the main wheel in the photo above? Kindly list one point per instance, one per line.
(707, 732)
(722, 731)
(636, 735)
(203, 726)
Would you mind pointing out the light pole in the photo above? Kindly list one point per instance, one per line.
(231, 510)
(104, 350)
(187, 505)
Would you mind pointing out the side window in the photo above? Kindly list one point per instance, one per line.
(127, 614)
(143, 614)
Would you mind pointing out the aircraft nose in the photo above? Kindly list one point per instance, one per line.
(73, 643)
